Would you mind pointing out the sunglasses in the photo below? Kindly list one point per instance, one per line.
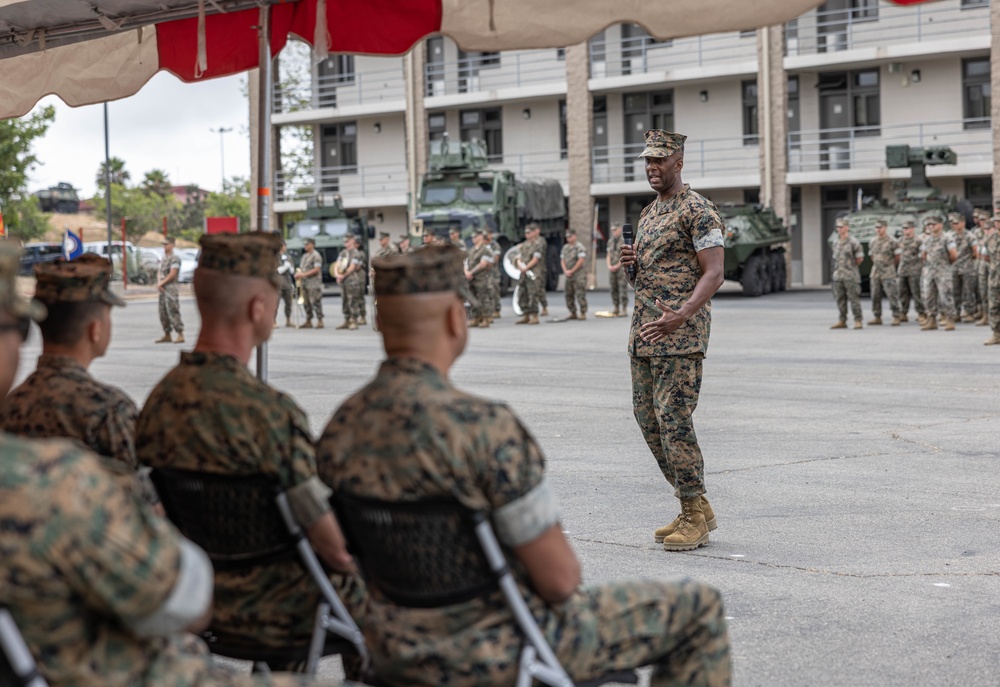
(22, 327)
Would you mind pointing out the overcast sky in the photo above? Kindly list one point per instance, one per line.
(166, 125)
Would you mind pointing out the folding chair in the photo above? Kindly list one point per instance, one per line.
(243, 522)
(17, 666)
(434, 553)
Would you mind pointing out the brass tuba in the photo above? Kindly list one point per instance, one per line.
(298, 286)
(512, 263)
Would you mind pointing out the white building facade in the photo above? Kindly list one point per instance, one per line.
(796, 116)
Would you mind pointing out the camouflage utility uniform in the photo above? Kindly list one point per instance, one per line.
(479, 259)
(882, 251)
(527, 295)
(313, 286)
(963, 270)
(445, 443)
(353, 287)
(908, 274)
(666, 375)
(286, 285)
(847, 277)
(496, 254)
(982, 275)
(170, 304)
(542, 270)
(60, 399)
(936, 280)
(576, 284)
(992, 250)
(210, 414)
(88, 570)
(619, 279)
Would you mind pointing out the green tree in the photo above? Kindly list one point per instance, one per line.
(156, 181)
(21, 215)
(143, 211)
(119, 175)
(234, 201)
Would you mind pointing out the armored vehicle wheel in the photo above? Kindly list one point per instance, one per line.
(777, 271)
(752, 279)
(766, 280)
(553, 268)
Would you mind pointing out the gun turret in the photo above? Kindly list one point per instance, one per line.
(917, 160)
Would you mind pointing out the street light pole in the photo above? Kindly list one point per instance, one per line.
(222, 131)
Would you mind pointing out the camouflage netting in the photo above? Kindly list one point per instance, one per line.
(543, 199)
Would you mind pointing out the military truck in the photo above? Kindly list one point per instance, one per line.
(914, 200)
(754, 254)
(460, 191)
(327, 223)
(59, 198)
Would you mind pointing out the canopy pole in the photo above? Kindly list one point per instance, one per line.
(107, 177)
(264, 148)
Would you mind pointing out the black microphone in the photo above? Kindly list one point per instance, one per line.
(627, 240)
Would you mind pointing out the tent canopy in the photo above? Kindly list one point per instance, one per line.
(89, 51)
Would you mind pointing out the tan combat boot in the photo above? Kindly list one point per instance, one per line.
(583, 316)
(352, 325)
(904, 318)
(968, 318)
(692, 529)
(475, 322)
(319, 323)
(288, 322)
(895, 321)
(179, 339)
(572, 316)
(624, 312)
(993, 341)
(874, 321)
(921, 319)
(164, 339)
(483, 323)
(983, 321)
(307, 325)
(665, 531)
(346, 324)
(533, 319)
(949, 326)
(858, 325)
(545, 311)
(840, 325)
(616, 313)
(496, 314)
(929, 324)
(525, 319)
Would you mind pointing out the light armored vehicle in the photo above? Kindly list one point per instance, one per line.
(327, 223)
(459, 190)
(59, 198)
(914, 200)
(755, 250)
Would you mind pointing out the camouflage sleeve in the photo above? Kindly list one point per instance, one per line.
(299, 465)
(119, 428)
(514, 464)
(706, 226)
(109, 547)
(859, 252)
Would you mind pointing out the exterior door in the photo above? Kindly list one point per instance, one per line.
(835, 113)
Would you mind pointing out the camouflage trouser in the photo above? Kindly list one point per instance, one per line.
(482, 292)
(664, 396)
(619, 289)
(576, 292)
(965, 292)
(936, 289)
(314, 299)
(993, 296)
(527, 295)
(184, 660)
(983, 282)
(678, 626)
(543, 299)
(352, 296)
(909, 287)
(170, 311)
(495, 291)
(287, 294)
(888, 288)
(844, 292)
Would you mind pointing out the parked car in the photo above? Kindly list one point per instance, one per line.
(136, 273)
(150, 257)
(189, 261)
(35, 253)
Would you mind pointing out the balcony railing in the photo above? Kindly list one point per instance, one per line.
(711, 157)
(547, 164)
(354, 181)
(864, 147)
(492, 71)
(836, 30)
(340, 90)
(641, 54)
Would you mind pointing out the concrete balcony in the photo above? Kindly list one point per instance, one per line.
(641, 61)
(819, 39)
(509, 75)
(359, 186)
(825, 156)
(341, 96)
(551, 164)
(708, 164)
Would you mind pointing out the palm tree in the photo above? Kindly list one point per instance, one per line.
(119, 175)
(156, 181)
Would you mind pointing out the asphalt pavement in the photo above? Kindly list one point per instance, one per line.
(854, 473)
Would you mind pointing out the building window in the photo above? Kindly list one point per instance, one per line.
(866, 103)
(563, 132)
(435, 67)
(561, 54)
(340, 153)
(850, 100)
(750, 33)
(968, 4)
(437, 126)
(635, 42)
(750, 127)
(334, 71)
(644, 111)
(864, 10)
(469, 66)
(794, 121)
(976, 90)
(486, 126)
(979, 191)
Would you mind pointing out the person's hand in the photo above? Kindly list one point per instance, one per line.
(340, 279)
(628, 256)
(615, 268)
(468, 275)
(669, 322)
(159, 287)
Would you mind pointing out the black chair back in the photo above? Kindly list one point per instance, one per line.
(419, 554)
(234, 518)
